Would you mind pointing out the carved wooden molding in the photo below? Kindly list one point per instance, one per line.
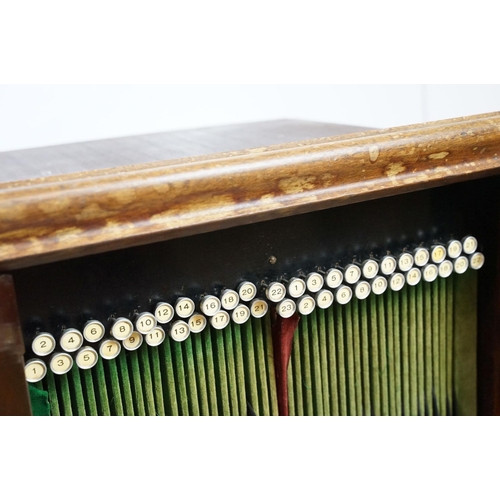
(49, 219)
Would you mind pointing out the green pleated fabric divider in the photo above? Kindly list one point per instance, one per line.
(215, 372)
(411, 352)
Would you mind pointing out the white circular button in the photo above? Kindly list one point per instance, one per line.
(324, 299)
(210, 305)
(352, 274)
(241, 314)
(421, 256)
(343, 294)
(220, 320)
(61, 363)
(430, 272)
(334, 278)
(306, 305)
(110, 349)
(445, 269)
(314, 282)
(93, 331)
(276, 291)
(145, 323)
(258, 308)
(164, 312)
(461, 264)
(247, 291)
(397, 282)
(122, 329)
(362, 290)
(35, 370)
(296, 287)
(286, 308)
(86, 358)
(405, 261)
(388, 265)
(184, 307)
(71, 340)
(197, 323)
(43, 344)
(179, 331)
(469, 244)
(438, 254)
(454, 248)
(477, 261)
(229, 299)
(413, 276)
(156, 337)
(370, 269)
(133, 342)
(379, 285)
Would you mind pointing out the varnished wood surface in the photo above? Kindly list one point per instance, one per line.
(94, 155)
(14, 399)
(84, 213)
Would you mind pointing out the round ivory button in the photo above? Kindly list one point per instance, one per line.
(156, 337)
(430, 272)
(210, 305)
(314, 282)
(445, 269)
(35, 370)
(454, 248)
(122, 329)
(164, 312)
(413, 276)
(133, 342)
(71, 340)
(61, 363)
(86, 358)
(258, 308)
(421, 256)
(379, 285)
(241, 314)
(388, 265)
(286, 308)
(370, 269)
(469, 244)
(247, 291)
(352, 274)
(324, 299)
(438, 253)
(145, 323)
(276, 292)
(109, 349)
(229, 299)
(397, 282)
(179, 331)
(477, 261)
(343, 295)
(184, 307)
(306, 305)
(461, 264)
(362, 290)
(334, 278)
(405, 261)
(296, 287)
(43, 344)
(93, 331)
(197, 323)
(220, 320)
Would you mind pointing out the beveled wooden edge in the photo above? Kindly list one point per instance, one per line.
(79, 214)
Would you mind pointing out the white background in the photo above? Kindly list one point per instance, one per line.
(41, 115)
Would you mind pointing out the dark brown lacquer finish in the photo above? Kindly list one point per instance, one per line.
(14, 399)
(84, 213)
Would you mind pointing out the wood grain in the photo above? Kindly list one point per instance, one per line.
(78, 214)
